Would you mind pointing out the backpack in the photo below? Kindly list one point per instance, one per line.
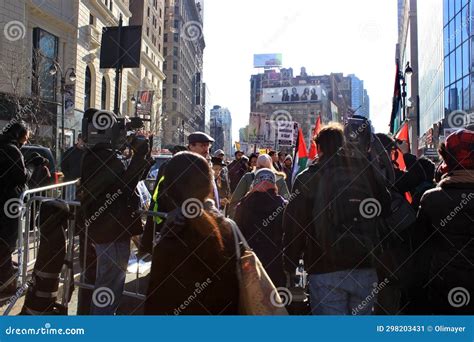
(346, 215)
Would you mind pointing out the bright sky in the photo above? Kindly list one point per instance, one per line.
(349, 36)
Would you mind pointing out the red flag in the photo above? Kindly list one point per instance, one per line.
(404, 135)
(313, 150)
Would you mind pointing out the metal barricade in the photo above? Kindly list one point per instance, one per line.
(28, 228)
(29, 238)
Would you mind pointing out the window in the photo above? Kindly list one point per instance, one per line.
(87, 88)
(161, 13)
(91, 19)
(174, 121)
(175, 51)
(146, 50)
(103, 97)
(45, 45)
(165, 51)
(176, 24)
(175, 79)
(165, 38)
(155, 3)
(111, 7)
(159, 48)
(164, 93)
(159, 30)
(106, 3)
(175, 65)
(175, 93)
(148, 12)
(175, 106)
(165, 65)
(147, 31)
(176, 37)
(146, 72)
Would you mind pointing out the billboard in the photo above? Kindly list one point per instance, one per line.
(267, 60)
(300, 93)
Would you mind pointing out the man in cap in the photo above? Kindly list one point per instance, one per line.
(200, 143)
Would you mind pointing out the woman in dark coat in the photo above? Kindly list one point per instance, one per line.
(194, 267)
(446, 227)
(259, 216)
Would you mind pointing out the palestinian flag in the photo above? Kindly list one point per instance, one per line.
(300, 158)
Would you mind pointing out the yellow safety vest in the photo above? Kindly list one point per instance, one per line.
(157, 219)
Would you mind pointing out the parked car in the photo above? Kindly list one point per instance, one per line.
(153, 173)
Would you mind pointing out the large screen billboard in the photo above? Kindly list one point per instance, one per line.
(300, 93)
(267, 60)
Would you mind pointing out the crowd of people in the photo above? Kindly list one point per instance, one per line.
(375, 237)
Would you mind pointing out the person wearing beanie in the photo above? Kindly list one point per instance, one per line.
(259, 216)
(263, 161)
(445, 224)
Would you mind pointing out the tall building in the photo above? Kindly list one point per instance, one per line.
(407, 54)
(183, 105)
(221, 129)
(359, 97)
(146, 83)
(445, 64)
(40, 36)
(327, 95)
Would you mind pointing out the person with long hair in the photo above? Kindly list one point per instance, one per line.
(264, 161)
(194, 268)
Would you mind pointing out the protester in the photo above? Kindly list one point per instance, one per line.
(264, 161)
(195, 253)
(14, 176)
(259, 216)
(221, 180)
(252, 162)
(71, 160)
(281, 160)
(425, 172)
(288, 169)
(324, 223)
(446, 228)
(236, 170)
(275, 160)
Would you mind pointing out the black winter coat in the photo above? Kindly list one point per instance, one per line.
(259, 216)
(446, 240)
(109, 200)
(14, 174)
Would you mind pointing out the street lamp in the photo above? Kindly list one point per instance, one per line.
(55, 67)
(407, 72)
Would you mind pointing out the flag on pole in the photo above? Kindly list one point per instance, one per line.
(300, 158)
(313, 151)
(404, 136)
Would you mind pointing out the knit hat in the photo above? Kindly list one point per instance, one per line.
(460, 147)
(264, 175)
